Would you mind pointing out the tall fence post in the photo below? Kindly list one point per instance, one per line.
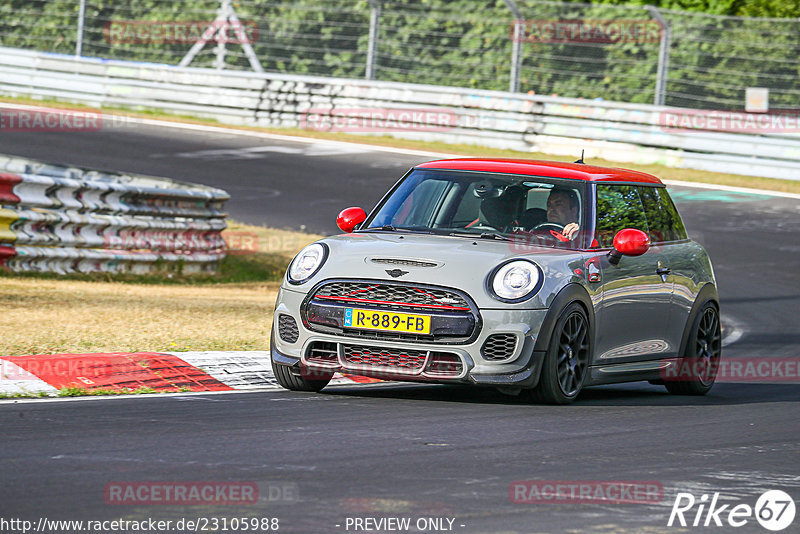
(220, 50)
(516, 46)
(663, 56)
(372, 47)
(81, 19)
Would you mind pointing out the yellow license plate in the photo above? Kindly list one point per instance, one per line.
(387, 321)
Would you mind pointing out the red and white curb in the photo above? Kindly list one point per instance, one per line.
(160, 371)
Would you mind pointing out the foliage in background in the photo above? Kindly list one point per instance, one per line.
(463, 43)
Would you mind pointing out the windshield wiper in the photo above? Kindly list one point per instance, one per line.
(482, 235)
(493, 235)
(390, 228)
(384, 228)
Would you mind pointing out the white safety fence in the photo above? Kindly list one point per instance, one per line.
(65, 219)
(739, 143)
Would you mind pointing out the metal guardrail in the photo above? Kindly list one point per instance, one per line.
(627, 53)
(631, 133)
(65, 219)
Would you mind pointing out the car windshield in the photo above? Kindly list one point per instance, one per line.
(487, 205)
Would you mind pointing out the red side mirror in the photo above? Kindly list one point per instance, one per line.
(349, 218)
(628, 242)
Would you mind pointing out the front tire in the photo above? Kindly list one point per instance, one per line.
(566, 363)
(698, 367)
(293, 378)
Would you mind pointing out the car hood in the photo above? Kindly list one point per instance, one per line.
(458, 262)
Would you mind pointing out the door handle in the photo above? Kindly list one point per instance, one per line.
(662, 271)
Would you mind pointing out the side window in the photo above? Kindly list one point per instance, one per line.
(662, 218)
(678, 229)
(618, 207)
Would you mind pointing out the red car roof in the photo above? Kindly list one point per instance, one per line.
(552, 169)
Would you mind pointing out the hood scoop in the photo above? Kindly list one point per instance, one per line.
(402, 262)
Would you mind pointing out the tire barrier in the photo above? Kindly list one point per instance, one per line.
(65, 219)
(756, 144)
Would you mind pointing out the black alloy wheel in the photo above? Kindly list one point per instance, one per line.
(567, 361)
(697, 370)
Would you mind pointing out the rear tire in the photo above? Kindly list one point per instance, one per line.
(566, 363)
(292, 378)
(698, 367)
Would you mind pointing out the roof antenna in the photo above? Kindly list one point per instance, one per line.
(580, 160)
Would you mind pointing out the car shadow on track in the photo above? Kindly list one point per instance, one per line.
(632, 394)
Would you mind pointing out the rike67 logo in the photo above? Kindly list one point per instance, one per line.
(774, 510)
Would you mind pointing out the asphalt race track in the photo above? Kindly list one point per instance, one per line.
(413, 450)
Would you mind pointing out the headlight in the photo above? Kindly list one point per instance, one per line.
(515, 281)
(307, 263)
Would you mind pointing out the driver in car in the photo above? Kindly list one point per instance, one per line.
(562, 209)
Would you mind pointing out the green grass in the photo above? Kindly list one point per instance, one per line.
(83, 392)
(160, 312)
(25, 395)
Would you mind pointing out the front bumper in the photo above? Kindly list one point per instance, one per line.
(521, 368)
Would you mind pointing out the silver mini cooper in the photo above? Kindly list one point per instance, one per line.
(537, 278)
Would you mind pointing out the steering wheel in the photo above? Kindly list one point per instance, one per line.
(555, 230)
(549, 225)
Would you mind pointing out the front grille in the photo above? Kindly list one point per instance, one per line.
(454, 318)
(392, 296)
(404, 263)
(391, 336)
(385, 361)
(499, 346)
(400, 359)
(323, 352)
(287, 328)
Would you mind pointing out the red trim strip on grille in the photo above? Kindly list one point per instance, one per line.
(370, 288)
(371, 301)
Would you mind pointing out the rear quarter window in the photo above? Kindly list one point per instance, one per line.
(618, 207)
(663, 220)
